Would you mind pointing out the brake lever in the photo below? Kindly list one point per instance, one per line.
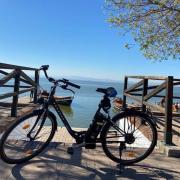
(65, 80)
(70, 90)
(51, 80)
(65, 88)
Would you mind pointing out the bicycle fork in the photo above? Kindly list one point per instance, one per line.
(44, 116)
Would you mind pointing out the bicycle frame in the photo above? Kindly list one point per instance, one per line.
(51, 101)
(64, 120)
(75, 134)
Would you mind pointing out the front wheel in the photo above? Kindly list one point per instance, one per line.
(27, 137)
(130, 139)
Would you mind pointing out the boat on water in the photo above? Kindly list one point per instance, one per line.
(64, 100)
(61, 100)
(117, 102)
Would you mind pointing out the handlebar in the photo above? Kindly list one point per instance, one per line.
(65, 81)
(44, 67)
(70, 83)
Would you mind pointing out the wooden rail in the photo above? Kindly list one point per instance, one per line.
(142, 92)
(18, 75)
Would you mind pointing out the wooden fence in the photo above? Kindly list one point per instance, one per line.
(142, 92)
(18, 75)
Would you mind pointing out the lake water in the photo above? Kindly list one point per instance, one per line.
(86, 100)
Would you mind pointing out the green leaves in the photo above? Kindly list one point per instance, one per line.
(154, 24)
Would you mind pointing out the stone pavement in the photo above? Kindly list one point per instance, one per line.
(55, 163)
(24, 106)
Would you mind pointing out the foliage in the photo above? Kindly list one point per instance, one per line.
(155, 25)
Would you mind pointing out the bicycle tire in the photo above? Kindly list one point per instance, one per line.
(120, 116)
(6, 134)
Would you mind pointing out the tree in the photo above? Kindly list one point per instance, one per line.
(155, 25)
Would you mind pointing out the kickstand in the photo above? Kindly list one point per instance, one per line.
(121, 168)
(70, 150)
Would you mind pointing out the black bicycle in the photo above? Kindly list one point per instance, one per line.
(127, 138)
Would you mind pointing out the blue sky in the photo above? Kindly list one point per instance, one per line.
(74, 38)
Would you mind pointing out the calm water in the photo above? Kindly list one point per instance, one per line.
(86, 100)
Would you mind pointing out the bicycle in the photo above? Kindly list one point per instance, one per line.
(128, 137)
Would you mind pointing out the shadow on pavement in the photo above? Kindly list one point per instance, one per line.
(60, 165)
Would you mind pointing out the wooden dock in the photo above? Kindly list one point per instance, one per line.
(161, 124)
(175, 130)
(18, 82)
(24, 107)
(141, 91)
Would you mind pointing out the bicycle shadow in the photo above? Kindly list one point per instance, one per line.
(57, 164)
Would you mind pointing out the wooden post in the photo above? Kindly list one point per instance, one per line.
(168, 111)
(37, 84)
(125, 87)
(144, 93)
(16, 89)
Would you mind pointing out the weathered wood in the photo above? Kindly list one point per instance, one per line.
(148, 77)
(19, 76)
(16, 89)
(3, 72)
(140, 83)
(144, 93)
(155, 107)
(168, 112)
(168, 85)
(133, 97)
(176, 83)
(36, 87)
(10, 66)
(125, 87)
(140, 89)
(28, 78)
(7, 78)
(159, 96)
(21, 79)
(155, 91)
(6, 95)
(19, 86)
(176, 79)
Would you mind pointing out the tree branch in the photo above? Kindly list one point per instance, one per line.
(163, 5)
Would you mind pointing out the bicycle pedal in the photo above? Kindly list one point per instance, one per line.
(70, 150)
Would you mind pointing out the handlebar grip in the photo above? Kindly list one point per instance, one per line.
(44, 67)
(51, 79)
(73, 85)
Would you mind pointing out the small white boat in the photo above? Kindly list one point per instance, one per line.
(62, 100)
(117, 102)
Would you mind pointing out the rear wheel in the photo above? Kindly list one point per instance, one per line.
(131, 139)
(24, 139)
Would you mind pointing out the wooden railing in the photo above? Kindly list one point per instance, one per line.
(142, 92)
(18, 75)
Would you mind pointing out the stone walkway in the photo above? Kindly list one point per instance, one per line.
(24, 107)
(55, 163)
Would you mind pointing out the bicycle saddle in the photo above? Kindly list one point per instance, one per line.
(110, 91)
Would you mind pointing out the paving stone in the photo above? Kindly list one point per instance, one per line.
(55, 163)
